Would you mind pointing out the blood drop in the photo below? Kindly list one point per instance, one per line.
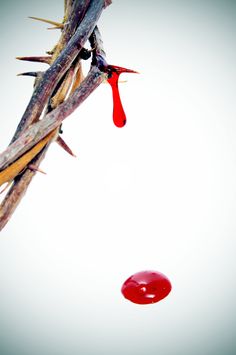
(146, 287)
(119, 117)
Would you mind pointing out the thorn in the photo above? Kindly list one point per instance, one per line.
(37, 74)
(35, 168)
(54, 28)
(109, 69)
(57, 24)
(120, 70)
(40, 59)
(30, 73)
(63, 145)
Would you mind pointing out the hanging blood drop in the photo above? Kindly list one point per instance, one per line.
(146, 287)
(119, 117)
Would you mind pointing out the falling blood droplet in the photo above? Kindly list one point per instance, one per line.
(146, 287)
(119, 117)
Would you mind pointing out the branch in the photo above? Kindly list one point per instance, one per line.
(80, 18)
(53, 119)
(46, 86)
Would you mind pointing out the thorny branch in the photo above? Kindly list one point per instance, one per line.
(58, 92)
(62, 62)
(52, 120)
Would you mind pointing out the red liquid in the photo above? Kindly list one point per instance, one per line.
(119, 117)
(146, 287)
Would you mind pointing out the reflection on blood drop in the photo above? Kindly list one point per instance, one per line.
(146, 287)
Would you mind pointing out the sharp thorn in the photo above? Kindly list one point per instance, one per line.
(54, 28)
(57, 24)
(64, 146)
(35, 168)
(120, 70)
(40, 59)
(30, 73)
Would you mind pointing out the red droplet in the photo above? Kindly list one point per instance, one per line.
(119, 117)
(146, 287)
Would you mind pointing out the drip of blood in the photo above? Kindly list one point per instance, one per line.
(146, 287)
(119, 117)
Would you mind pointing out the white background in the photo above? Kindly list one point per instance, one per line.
(157, 194)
